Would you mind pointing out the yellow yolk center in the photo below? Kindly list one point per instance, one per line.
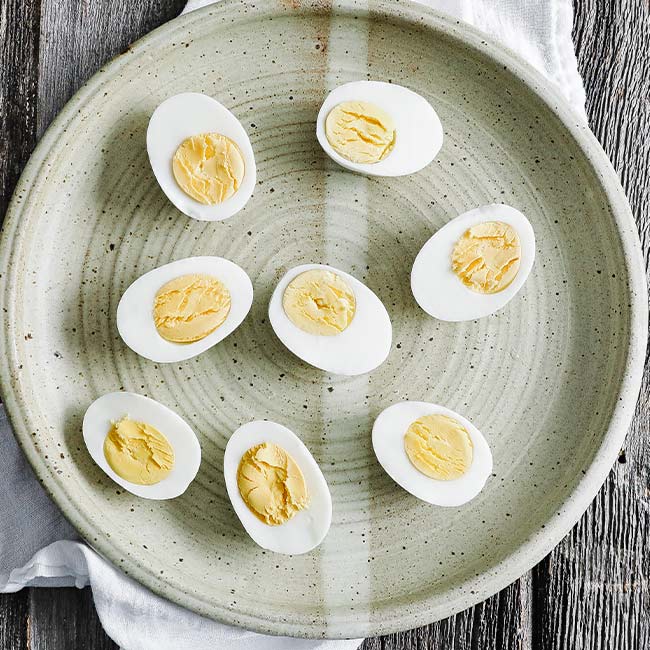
(271, 484)
(138, 452)
(190, 307)
(360, 132)
(486, 258)
(208, 167)
(439, 446)
(319, 302)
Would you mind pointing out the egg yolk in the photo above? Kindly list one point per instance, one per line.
(138, 452)
(271, 484)
(209, 167)
(319, 302)
(439, 446)
(360, 131)
(486, 258)
(190, 307)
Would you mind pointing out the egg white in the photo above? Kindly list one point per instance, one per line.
(418, 130)
(112, 407)
(358, 349)
(440, 292)
(175, 120)
(388, 443)
(307, 528)
(135, 321)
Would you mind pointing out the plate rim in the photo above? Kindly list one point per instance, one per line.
(540, 543)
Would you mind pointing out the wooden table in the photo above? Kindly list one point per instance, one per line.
(593, 590)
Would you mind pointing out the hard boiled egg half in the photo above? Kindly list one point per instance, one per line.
(379, 129)
(276, 488)
(432, 452)
(475, 264)
(201, 156)
(142, 445)
(330, 320)
(183, 308)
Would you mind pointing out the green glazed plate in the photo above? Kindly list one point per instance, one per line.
(551, 380)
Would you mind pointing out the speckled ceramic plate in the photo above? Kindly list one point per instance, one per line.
(551, 380)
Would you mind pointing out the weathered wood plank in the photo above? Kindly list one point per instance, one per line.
(19, 42)
(14, 621)
(78, 37)
(593, 590)
(19, 34)
(65, 618)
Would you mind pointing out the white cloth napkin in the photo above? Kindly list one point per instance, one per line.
(38, 547)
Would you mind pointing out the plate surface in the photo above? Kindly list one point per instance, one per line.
(551, 380)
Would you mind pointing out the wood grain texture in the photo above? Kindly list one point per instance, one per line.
(19, 42)
(65, 619)
(79, 36)
(592, 591)
(14, 621)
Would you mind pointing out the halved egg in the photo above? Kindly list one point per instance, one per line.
(183, 308)
(432, 452)
(330, 319)
(142, 445)
(379, 129)
(201, 156)
(475, 264)
(276, 488)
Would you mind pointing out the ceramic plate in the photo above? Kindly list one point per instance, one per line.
(551, 380)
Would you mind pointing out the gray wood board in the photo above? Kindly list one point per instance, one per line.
(592, 591)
